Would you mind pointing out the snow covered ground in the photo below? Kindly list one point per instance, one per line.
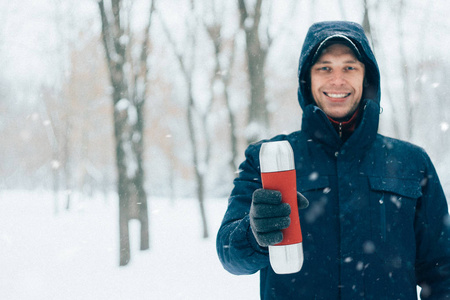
(74, 255)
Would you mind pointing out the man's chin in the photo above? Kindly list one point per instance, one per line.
(339, 114)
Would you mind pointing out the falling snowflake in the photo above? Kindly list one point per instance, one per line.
(313, 176)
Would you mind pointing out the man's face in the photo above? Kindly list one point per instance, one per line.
(337, 81)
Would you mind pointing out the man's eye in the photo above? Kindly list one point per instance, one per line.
(324, 69)
(350, 68)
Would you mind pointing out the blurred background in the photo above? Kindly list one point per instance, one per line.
(120, 120)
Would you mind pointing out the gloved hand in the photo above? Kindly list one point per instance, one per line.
(268, 215)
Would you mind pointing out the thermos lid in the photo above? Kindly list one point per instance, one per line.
(276, 156)
(286, 259)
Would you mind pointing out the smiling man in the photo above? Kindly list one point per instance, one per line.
(377, 224)
(337, 82)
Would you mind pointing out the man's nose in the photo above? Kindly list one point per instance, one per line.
(338, 78)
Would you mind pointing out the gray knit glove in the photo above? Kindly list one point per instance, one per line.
(268, 215)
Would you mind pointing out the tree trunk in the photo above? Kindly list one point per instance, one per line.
(409, 106)
(367, 25)
(128, 125)
(233, 132)
(222, 73)
(199, 170)
(201, 202)
(200, 165)
(258, 117)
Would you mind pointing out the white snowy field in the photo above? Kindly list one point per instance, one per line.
(74, 254)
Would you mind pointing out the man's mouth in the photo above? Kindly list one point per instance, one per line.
(337, 95)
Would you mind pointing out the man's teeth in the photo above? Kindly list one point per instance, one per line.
(337, 95)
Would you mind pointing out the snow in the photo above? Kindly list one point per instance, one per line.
(74, 254)
(131, 165)
(122, 104)
(125, 104)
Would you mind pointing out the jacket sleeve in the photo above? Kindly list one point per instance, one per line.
(236, 245)
(433, 238)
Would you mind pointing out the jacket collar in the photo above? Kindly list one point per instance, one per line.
(318, 127)
(345, 128)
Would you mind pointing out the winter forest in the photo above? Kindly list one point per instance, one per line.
(123, 124)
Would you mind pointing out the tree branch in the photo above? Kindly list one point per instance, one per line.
(243, 13)
(106, 34)
(174, 47)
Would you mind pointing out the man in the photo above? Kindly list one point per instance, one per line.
(377, 224)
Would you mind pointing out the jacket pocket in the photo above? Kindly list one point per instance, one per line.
(317, 190)
(311, 183)
(393, 205)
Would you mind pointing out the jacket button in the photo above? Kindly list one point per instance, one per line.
(336, 153)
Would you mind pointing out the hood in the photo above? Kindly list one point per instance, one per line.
(317, 33)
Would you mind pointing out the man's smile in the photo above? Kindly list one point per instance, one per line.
(337, 95)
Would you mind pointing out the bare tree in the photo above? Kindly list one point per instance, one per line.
(256, 52)
(187, 64)
(405, 72)
(366, 21)
(128, 95)
(50, 110)
(222, 71)
(405, 100)
(63, 25)
(377, 49)
(57, 110)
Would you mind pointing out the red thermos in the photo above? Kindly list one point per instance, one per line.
(278, 173)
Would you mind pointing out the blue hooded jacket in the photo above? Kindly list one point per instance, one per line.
(377, 224)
